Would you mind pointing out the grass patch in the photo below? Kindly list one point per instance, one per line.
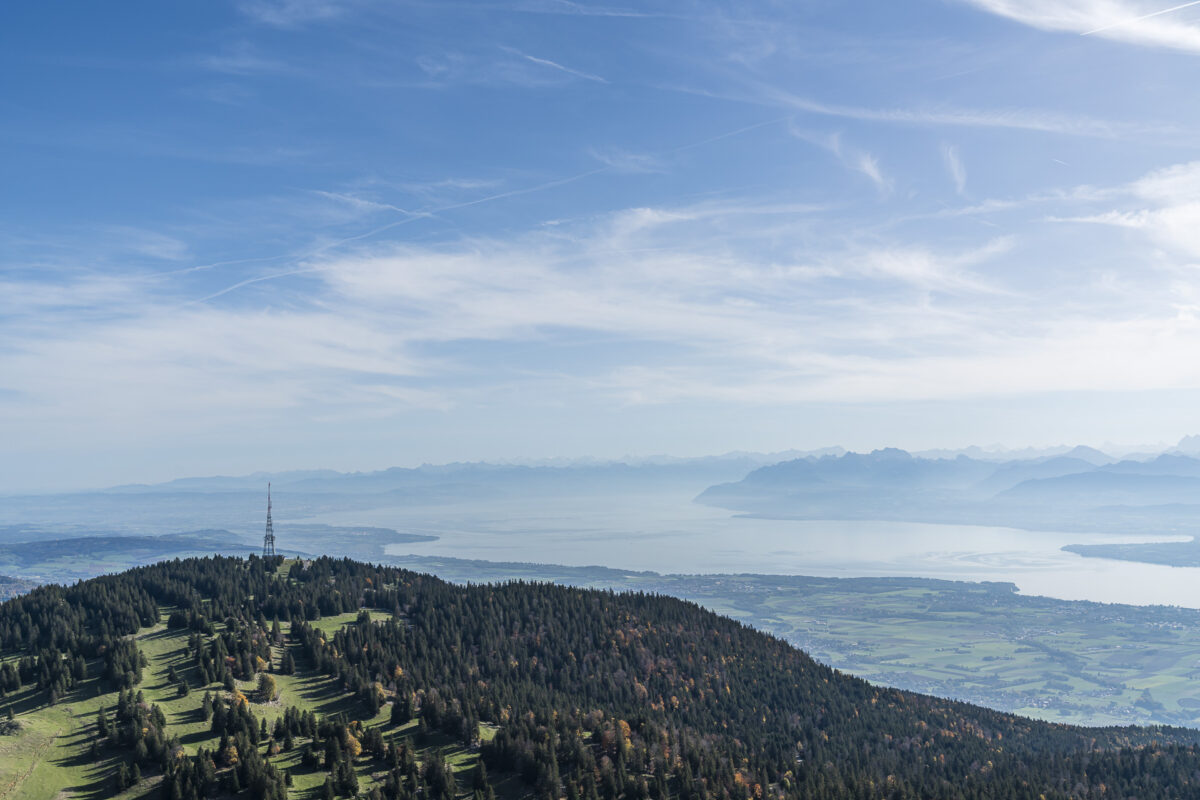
(49, 756)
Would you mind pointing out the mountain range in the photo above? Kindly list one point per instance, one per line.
(1081, 489)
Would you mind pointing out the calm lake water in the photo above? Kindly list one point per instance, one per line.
(672, 534)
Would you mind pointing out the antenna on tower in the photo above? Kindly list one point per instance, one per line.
(269, 539)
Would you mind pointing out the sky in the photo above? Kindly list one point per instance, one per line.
(276, 234)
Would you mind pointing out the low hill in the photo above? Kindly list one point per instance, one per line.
(1017, 472)
(1165, 464)
(337, 677)
(885, 468)
(148, 548)
(883, 484)
(43, 557)
(1090, 489)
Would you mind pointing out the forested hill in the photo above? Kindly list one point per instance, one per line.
(582, 694)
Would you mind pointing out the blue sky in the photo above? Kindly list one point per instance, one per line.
(310, 233)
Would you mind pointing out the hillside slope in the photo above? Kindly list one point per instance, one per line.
(562, 692)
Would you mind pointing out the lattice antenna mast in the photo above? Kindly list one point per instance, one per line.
(269, 539)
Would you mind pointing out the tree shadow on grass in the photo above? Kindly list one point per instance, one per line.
(104, 788)
(191, 716)
(325, 698)
(27, 700)
(98, 790)
(196, 737)
(99, 772)
(78, 758)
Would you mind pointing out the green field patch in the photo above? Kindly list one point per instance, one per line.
(328, 625)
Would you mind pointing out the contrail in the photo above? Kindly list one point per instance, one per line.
(249, 281)
(418, 215)
(414, 216)
(1139, 19)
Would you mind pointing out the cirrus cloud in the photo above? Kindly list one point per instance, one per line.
(1144, 23)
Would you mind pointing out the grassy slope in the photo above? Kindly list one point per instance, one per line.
(49, 757)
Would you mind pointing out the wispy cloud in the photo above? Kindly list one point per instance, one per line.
(1164, 205)
(362, 203)
(1178, 183)
(940, 115)
(453, 183)
(147, 243)
(930, 270)
(243, 58)
(954, 166)
(1017, 119)
(580, 9)
(1137, 22)
(545, 62)
(868, 165)
(627, 162)
(291, 13)
(852, 158)
(449, 67)
(665, 275)
(34, 303)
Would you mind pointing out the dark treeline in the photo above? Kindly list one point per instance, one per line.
(592, 695)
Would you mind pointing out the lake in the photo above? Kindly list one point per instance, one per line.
(672, 534)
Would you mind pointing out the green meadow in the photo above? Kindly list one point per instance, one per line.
(50, 755)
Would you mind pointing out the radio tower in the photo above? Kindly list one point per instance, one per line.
(269, 539)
